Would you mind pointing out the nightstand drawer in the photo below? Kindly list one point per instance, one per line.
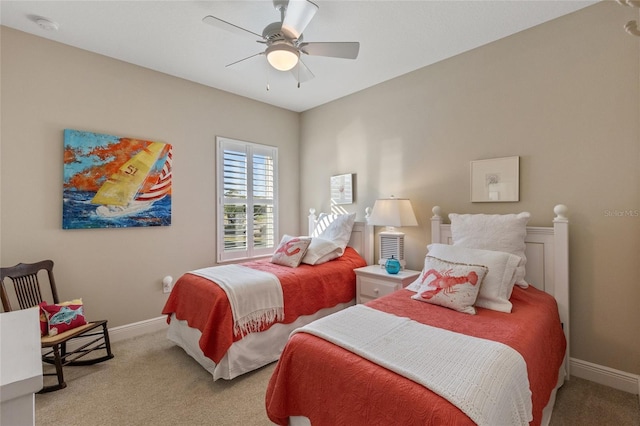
(373, 288)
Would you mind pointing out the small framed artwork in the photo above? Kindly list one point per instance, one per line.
(342, 189)
(495, 180)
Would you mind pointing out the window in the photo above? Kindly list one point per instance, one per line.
(247, 194)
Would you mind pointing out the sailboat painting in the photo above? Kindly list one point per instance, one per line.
(115, 182)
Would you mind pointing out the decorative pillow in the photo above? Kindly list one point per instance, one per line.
(497, 232)
(450, 284)
(290, 251)
(44, 324)
(321, 251)
(336, 228)
(44, 320)
(62, 317)
(497, 284)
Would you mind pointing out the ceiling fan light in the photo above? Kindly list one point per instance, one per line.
(282, 56)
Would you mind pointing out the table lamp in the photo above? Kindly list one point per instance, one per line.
(392, 212)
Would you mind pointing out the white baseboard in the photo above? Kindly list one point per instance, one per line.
(605, 376)
(127, 331)
(136, 329)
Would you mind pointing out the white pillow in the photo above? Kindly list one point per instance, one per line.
(290, 251)
(322, 223)
(497, 285)
(336, 228)
(321, 251)
(498, 232)
(450, 284)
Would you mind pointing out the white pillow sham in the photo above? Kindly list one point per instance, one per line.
(498, 232)
(322, 223)
(321, 251)
(336, 228)
(497, 284)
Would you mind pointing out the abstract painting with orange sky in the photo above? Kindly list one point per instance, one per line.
(115, 182)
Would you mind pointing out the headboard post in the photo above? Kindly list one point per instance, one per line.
(368, 238)
(561, 278)
(312, 221)
(436, 221)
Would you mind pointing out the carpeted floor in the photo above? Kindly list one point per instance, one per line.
(153, 382)
(585, 403)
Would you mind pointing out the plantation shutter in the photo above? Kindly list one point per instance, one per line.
(246, 199)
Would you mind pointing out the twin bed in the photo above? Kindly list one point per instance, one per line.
(372, 363)
(200, 316)
(376, 363)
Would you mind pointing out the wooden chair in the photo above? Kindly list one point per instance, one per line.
(28, 291)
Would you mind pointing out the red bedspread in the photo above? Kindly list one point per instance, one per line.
(306, 289)
(332, 386)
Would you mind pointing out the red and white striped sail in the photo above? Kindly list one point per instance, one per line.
(162, 185)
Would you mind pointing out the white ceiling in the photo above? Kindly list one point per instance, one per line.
(395, 37)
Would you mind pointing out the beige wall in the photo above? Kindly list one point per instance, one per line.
(564, 97)
(47, 87)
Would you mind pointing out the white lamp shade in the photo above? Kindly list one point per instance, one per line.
(394, 212)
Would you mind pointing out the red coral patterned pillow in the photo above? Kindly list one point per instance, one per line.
(290, 251)
(61, 317)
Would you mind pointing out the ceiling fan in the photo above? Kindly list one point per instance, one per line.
(284, 41)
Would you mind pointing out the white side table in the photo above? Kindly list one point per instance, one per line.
(373, 282)
(20, 366)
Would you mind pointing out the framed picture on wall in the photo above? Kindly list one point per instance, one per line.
(342, 189)
(495, 180)
(115, 182)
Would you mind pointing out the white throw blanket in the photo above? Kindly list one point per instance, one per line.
(487, 380)
(255, 296)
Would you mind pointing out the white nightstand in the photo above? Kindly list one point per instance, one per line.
(373, 281)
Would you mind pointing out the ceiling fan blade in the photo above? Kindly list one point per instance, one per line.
(299, 14)
(227, 26)
(346, 50)
(244, 59)
(301, 72)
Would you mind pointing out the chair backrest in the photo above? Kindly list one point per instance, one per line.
(26, 284)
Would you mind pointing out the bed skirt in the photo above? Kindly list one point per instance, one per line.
(252, 352)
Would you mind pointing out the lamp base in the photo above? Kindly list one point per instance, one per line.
(382, 262)
(392, 244)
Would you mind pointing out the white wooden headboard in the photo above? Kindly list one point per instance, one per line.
(547, 252)
(361, 236)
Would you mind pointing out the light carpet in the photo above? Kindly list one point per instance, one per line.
(153, 382)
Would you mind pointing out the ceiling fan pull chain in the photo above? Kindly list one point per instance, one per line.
(267, 71)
